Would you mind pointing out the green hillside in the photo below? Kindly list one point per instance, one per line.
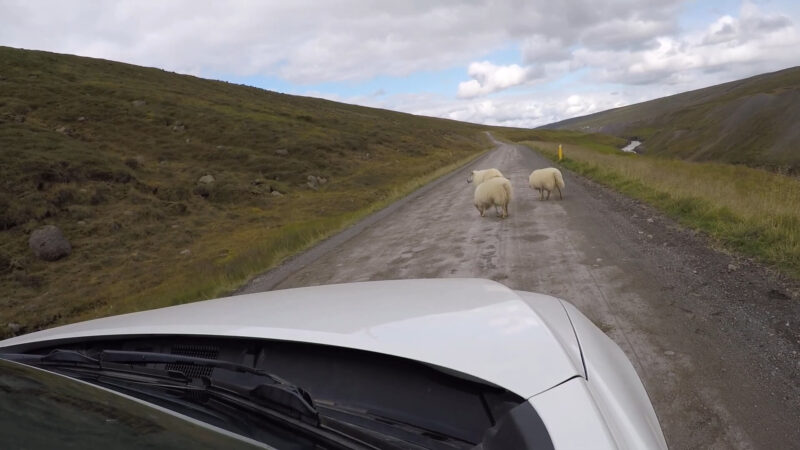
(752, 121)
(113, 154)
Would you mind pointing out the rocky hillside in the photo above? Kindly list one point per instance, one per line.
(169, 188)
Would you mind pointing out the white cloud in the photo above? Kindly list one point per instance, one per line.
(632, 32)
(488, 78)
(304, 41)
(527, 111)
(524, 110)
(722, 30)
(643, 47)
(569, 51)
(729, 48)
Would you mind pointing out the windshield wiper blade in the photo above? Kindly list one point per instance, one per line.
(361, 417)
(277, 392)
(59, 356)
(319, 429)
(131, 357)
(258, 392)
(270, 390)
(56, 357)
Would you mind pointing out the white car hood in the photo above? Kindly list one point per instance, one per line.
(476, 327)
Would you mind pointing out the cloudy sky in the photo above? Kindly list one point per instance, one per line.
(502, 62)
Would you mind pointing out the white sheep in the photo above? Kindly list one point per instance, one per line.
(479, 176)
(494, 191)
(548, 179)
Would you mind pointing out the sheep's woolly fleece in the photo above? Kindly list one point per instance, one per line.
(549, 179)
(479, 176)
(493, 192)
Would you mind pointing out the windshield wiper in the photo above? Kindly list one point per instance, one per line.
(346, 417)
(267, 390)
(163, 377)
(247, 391)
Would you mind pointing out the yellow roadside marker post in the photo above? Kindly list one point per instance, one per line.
(560, 153)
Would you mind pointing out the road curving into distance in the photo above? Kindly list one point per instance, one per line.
(713, 337)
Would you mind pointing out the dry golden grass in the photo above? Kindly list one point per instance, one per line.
(750, 193)
(749, 210)
(224, 260)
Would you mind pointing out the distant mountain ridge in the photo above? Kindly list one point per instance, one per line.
(753, 121)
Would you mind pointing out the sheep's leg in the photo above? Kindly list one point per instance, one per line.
(541, 194)
(505, 210)
(548, 195)
(560, 197)
(497, 209)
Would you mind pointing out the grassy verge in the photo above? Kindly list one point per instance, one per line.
(155, 260)
(227, 260)
(751, 211)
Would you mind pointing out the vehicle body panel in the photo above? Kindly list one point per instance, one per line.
(477, 327)
(615, 387)
(554, 314)
(573, 418)
(539, 347)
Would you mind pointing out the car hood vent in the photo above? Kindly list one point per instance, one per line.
(197, 351)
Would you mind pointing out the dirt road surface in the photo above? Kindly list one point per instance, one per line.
(714, 338)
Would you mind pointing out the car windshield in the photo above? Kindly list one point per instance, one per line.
(39, 409)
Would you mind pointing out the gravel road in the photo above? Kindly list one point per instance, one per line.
(714, 337)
